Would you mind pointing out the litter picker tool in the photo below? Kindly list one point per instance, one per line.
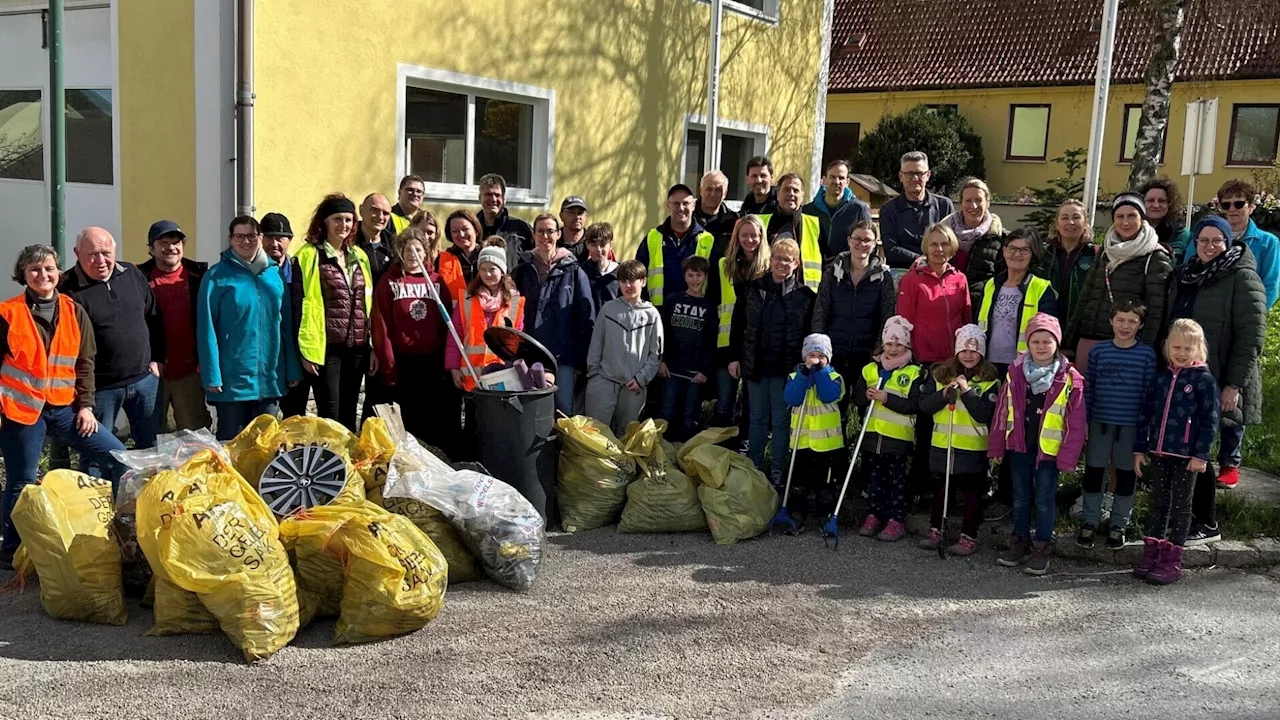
(782, 518)
(448, 321)
(831, 531)
(946, 483)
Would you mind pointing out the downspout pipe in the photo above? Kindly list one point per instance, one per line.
(57, 131)
(244, 108)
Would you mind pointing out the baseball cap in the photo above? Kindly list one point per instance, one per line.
(164, 227)
(276, 225)
(678, 187)
(574, 201)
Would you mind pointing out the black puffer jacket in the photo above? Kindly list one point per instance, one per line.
(853, 315)
(984, 260)
(1145, 278)
(770, 321)
(1231, 306)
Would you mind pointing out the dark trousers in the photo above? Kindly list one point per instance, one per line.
(294, 403)
(973, 488)
(886, 485)
(681, 408)
(812, 485)
(375, 393)
(1171, 499)
(1204, 500)
(430, 405)
(337, 387)
(236, 416)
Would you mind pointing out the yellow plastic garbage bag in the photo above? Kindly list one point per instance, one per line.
(662, 499)
(395, 577)
(251, 450)
(258, 444)
(594, 472)
(738, 500)
(373, 452)
(65, 524)
(710, 436)
(463, 566)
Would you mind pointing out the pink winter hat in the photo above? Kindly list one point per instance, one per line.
(897, 329)
(971, 337)
(1047, 323)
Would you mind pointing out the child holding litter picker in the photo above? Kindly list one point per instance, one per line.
(960, 394)
(890, 434)
(1040, 423)
(813, 391)
(1176, 426)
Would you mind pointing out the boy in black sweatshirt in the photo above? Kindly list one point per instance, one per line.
(690, 323)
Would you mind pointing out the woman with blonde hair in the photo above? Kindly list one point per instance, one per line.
(746, 258)
(426, 223)
(1071, 253)
(979, 234)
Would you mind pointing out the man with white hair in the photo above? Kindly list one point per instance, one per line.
(904, 219)
(711, 213)
(129, 331)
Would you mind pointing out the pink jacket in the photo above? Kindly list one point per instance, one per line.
(1077, 424)
(937, 307)
(452, 353)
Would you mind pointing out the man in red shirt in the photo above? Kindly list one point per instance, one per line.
(175, 281)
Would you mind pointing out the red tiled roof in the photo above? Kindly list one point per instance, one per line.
(945, 44)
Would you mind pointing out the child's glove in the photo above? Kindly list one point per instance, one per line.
(803, 369)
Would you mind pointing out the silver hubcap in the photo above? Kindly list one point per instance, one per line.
(305, 476)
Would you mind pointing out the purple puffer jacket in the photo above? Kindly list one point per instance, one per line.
(1016, 441)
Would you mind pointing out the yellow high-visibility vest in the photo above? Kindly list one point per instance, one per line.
(728, 297)
(311, 332)
(884, 421)
(655, 273)
(822, 430)
(399, 223)
(966, 433)
(810, 248)
(1054, 427)
(1030, 306)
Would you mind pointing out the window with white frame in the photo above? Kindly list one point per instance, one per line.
(766, 10)
(457, 128)
(739, 142)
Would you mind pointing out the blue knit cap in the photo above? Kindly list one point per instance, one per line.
(1216, 221)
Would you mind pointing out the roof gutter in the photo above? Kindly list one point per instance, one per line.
(244, 107)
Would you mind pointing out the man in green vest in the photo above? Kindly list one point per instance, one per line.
(408, 202)
(665, 247)
(789, 222)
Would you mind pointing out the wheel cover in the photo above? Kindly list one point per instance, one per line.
(301, 477)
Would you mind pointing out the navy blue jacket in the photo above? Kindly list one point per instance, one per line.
(902, 224)
(674, 251)
(1180, 415)
(558, 312)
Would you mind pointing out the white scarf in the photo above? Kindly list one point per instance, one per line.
(1121, 251)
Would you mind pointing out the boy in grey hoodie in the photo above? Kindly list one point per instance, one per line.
(626, 349)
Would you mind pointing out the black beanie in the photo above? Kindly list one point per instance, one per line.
(1131, 199)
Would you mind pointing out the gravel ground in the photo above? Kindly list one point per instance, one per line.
(676, 627)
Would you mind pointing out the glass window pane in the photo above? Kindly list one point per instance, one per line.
(504, 140)
(89, 147)
(695, 157)
(1133, 115)
(735, 151)
(1254, 137)
(435, 126)
(840, 141)
(21, 135)
(1030, 132)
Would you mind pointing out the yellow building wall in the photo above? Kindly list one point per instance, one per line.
(625, 72)
(156, 114)
(1069, 119)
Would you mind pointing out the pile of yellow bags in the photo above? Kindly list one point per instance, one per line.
(662, 499)
(737, 498)
(65, 524)
(254, 448)
(594, 472)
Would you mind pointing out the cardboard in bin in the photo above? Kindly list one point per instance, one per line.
(510, 345)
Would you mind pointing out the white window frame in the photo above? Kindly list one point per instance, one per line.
(760, 134)
(769, 15)
(543, 141)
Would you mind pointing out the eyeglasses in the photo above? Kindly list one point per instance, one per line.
(914, 174)
(544, 232)
(413, 192)
(863, 241)
(1017, 251)
(241, 237)
(1237, 204)
(1211, 242)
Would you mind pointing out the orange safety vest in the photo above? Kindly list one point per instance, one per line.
(30, 375)
(473, 322)
(450, 270)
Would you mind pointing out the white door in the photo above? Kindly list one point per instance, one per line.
(93, 196)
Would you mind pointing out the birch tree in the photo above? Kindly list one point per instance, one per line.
(1165, 48)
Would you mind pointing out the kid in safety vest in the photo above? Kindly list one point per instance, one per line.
(886, 447)
(969, 381)
(1040, 422)
(816, 388)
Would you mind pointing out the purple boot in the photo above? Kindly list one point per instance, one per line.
(1150, 553)
(1169, 567)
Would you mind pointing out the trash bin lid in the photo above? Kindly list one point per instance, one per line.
(510, 344)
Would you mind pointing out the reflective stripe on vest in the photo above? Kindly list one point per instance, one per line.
(474, 325)
(822, 430)
(966, 433)
(884, 421)
(656, 278)
(311, 331)
(810, 248)
(1053, 427)
(1030, 301)
(727, 299)
(30, 375)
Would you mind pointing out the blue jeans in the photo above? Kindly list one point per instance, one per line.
(769, 412)
(138, 400)
(566, 379)
(22, 445)
(726, 398)
(236, 416)
(1230, 438)
(681, 408)
(1040, 481)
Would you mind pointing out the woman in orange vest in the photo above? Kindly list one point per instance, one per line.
(46, 382)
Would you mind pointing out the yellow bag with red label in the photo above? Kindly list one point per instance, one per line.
(65, 524)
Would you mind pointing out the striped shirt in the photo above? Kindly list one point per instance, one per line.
(1116, 382)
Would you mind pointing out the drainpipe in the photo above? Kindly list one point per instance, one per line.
(711, 158)
(57, 105)
(244, 108)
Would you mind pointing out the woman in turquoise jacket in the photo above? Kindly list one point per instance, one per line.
(248, 358)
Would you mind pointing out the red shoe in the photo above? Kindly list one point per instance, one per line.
(1228, 477)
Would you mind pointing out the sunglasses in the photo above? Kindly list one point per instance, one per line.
(1237, 204)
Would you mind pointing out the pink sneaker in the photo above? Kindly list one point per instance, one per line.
(893, 532)
(964, 547)
(932, 540)
(870, 526)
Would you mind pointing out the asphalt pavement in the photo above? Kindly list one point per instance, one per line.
(637, 627)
